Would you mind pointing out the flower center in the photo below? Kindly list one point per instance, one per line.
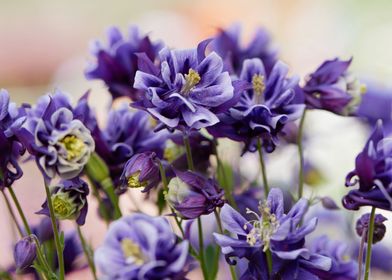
(132, 252)
(62, 206)
(134, 182)
(191, 80)
(73, 145)
(258, 84)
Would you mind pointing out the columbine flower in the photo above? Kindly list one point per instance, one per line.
(379, 226)
(11, 118)
(193, 195)
(25, 252)
(142, 247)
(69, 199)
(275, 231)
(116, 63)
(186, 90)
(263, 109)
(373, 174)
(343, 266)
(141, 171)
(331, 87)
(60, 143)
(127, 133)
(228, 45)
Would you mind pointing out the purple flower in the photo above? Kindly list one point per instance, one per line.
(331, 87)
(379, 226)
(25, 252)
(373, 174)
(264, 108)
(193, 195)
(272, 230)
(141, 171)
(228, 45)
(116, 63)
(60, 142)
(43, 230)
(69, 199)
(11, 118)
(343, 267)
(127, 133)
(186, 90)
(142, 247)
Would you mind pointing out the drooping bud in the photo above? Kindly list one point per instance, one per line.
(25, 252)
(379, 227)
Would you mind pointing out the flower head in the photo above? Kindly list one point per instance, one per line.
(227, 43)
(331, 87)
(69, 199)
(362, 226)
(116, 63)
(186, 89)
(142, 247)
(25, 252)
(264, 108)
(193, 195)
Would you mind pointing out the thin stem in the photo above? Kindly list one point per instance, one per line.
(369, 243)
(87, 253)
(11, 211)
(269, 261)
(360, 254)
(107, 185)
(59, 247)
(301, 156)
(263, 169)
(41, 256)
(188, 153)
(201, 249)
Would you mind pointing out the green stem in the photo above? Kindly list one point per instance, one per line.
(41, 256)
(201, 249)
(301, 155)
(188, 153)
(86, 250)
(59, 247)
(369, 243)
(107, 185)
(263, 169)
(269, 261)
(7, 202)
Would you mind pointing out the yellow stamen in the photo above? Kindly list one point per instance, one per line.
(191, 80)
(133, 181)
(73, 145)
(132, 251)
(258, 84)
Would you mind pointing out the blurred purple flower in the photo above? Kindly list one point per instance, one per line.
(186, 90)
(227, 43)
(264, 108)
(362, 226)
(25, 252)
(331, 87)
(116, 63)
(142, 247)
(193, 195)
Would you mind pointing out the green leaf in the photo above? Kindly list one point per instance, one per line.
(212, 261)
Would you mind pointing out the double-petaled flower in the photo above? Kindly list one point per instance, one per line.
(186, 89)
(116, 63)
(142, 247)
(264, 107)
(331, 87)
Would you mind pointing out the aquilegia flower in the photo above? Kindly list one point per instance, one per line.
(272, 230)
(142, 247)
(186, 90)
(263, 109)
(331, 87)
(373, 174)
(25, 252)
(60, 142)
(227, 43)
(11, 118)
(193, 195)
(69, 199)
(116, 63)
(379, 230)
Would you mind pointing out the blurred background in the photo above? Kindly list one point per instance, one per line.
(45, 45)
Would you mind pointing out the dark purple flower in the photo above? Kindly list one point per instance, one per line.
(127, 133)
(362, 226)
(227, 43)
(25, 252)
(343, 266)
(116, 63)
(186, 90)
(264, 108)
(60, 142)
(11, 118)
(69, 199)
(331, 87)
(43, 230)
(272, 230)
(141, 171)
(373, 174)
(142, 247)
(193, 195)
